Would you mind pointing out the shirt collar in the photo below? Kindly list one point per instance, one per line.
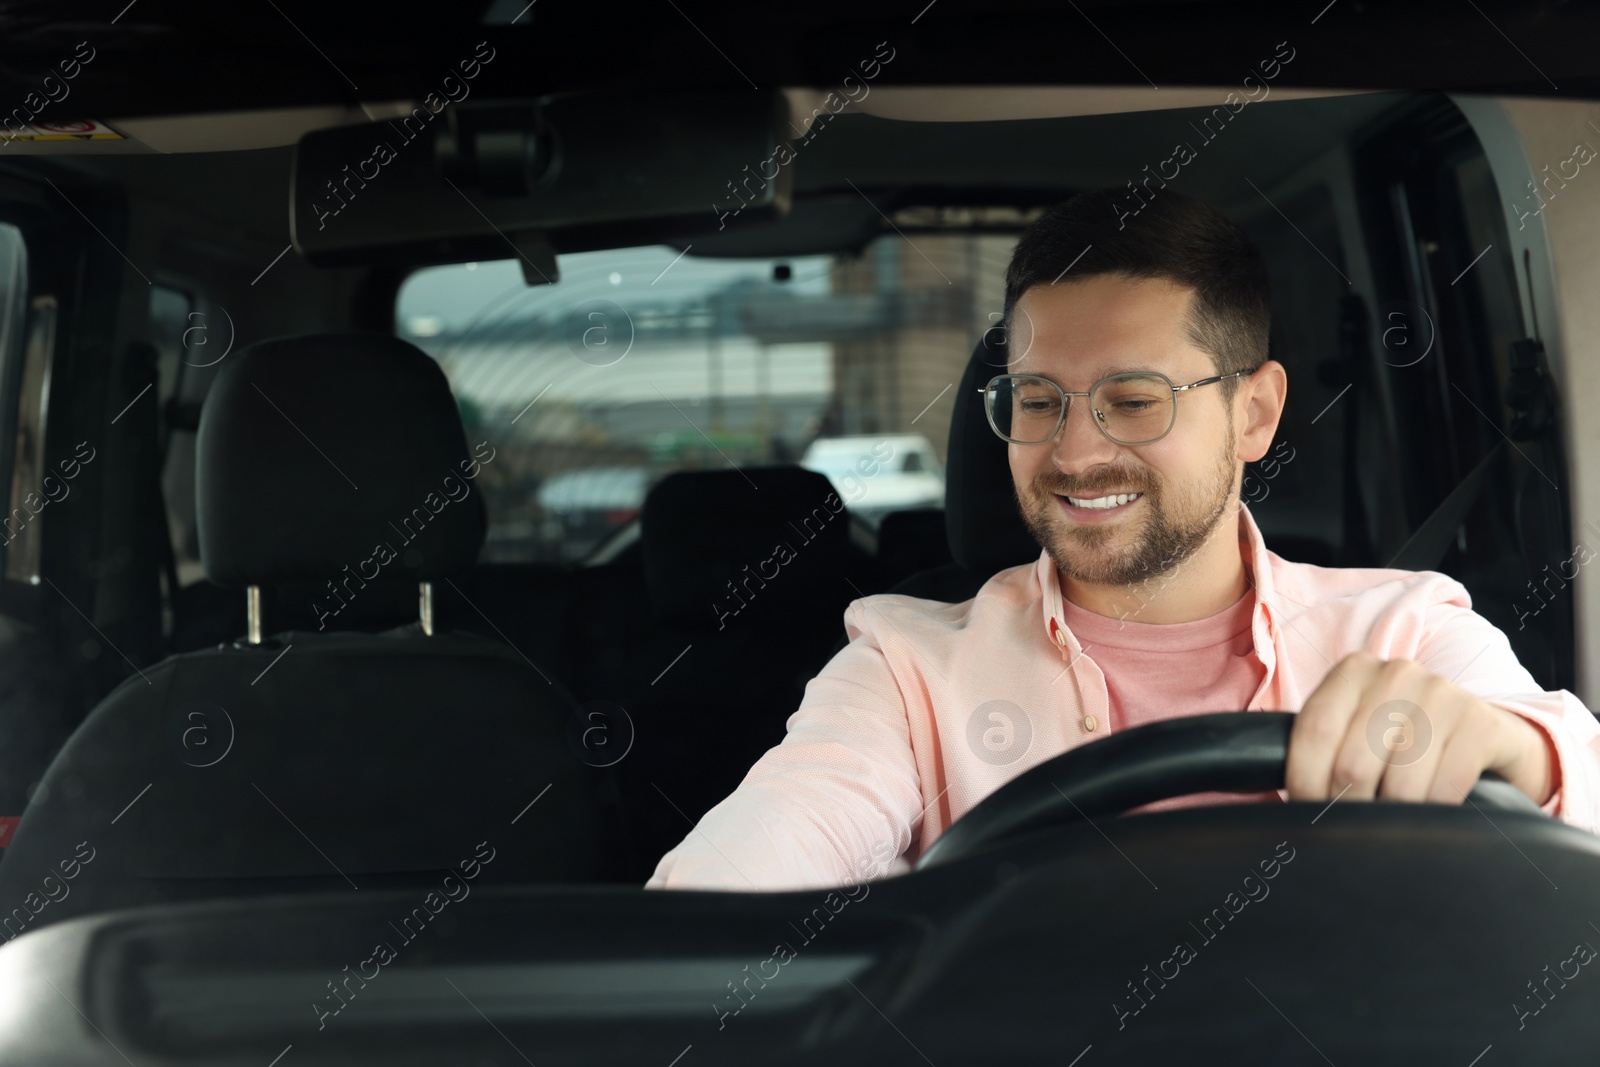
(1252, 548)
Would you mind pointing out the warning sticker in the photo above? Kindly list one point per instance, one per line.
(63, 130)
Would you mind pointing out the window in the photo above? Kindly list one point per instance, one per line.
(639, 362)
(1446, 279)
(180, 336)
(27, 420)
(13, 289)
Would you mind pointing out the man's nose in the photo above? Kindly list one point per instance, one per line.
(1079, 444)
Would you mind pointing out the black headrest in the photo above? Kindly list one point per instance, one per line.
(329, 456)
(986, 530)
(780, 535)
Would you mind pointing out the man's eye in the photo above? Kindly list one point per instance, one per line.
(1039, 407)
(1133, 407)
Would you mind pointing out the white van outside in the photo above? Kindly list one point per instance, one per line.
(875, 474)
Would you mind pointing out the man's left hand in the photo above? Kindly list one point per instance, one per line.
(1393, 730)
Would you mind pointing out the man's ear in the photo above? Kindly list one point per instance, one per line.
(1258, 405)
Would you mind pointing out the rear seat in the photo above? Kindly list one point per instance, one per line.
(527, 605)
(708, 645)
(910, 541)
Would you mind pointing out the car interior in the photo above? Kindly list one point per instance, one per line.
(429, 465)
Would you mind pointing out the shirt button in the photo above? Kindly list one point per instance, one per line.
(1089, 723)
(1061, 637)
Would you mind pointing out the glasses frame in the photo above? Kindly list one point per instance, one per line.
(1099, 417)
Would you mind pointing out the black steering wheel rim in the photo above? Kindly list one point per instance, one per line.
(1228, 752)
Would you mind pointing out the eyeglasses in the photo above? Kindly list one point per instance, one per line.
(1137, 408)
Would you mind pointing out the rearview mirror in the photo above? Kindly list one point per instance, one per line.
(472, 181)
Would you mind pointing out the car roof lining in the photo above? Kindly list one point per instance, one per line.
(237, 57)
(229, 131)
(861, 163)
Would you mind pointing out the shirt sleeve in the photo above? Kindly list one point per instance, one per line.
(1465, 648)
(837, 802)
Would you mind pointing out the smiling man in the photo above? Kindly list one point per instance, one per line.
(1138, 388)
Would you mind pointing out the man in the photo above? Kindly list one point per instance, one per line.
(1138, 387)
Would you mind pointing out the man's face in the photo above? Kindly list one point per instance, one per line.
(1077, 333)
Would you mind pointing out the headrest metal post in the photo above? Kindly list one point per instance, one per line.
(252, 601)
(425, 606)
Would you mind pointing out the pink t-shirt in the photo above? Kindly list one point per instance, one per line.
(1157, 671)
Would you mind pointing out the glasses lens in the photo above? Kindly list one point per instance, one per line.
(1134, 408)
(1024, 410)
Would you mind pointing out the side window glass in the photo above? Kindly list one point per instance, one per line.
(185, 347)
(13, 289)
(22, 422)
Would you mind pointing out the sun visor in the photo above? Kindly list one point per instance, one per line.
(481, 180)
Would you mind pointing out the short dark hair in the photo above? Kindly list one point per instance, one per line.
(1173, 237)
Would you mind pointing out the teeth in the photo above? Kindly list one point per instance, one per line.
(1104, 501)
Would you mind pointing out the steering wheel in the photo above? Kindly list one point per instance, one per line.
(1229, 752)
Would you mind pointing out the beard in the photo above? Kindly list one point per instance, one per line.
(1175, 523)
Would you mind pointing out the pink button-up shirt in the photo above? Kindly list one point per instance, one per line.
(932, 706)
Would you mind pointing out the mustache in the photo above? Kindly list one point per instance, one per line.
(1099, 485)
